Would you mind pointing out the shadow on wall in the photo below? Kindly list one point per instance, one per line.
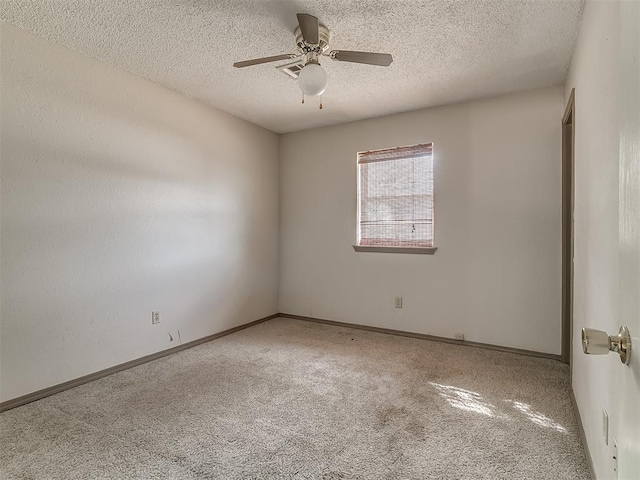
(99, 228)
(120, 198)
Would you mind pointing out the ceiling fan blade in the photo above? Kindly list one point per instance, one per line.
(309, 28)
(382, 59)
(258, 61)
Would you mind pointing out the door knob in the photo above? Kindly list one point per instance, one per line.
(597, 342)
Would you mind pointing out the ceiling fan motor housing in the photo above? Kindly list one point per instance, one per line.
(324, 36)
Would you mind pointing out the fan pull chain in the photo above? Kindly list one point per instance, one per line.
(320, 102)
(303, 98)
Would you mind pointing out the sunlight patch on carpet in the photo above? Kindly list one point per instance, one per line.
(465, 399)
(537, 417)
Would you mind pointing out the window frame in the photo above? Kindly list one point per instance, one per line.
(390, 249)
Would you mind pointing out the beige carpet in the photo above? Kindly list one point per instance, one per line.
(294, 399)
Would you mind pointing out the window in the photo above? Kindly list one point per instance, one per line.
(395, 200)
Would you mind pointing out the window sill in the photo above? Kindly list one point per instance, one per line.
(415, 250)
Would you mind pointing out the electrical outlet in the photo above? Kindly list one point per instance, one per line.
(155, 318)
(459, 336)
(605, 427)
(398, 302)
(615, 457)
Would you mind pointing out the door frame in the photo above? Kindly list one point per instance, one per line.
(568, 163)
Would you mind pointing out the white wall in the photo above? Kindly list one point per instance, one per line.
(594, 75)
(496, 276)
(120, 197)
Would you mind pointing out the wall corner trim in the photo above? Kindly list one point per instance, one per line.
(46, 392)
(583, 436)
(424, 336)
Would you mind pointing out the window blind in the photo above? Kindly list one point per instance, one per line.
(395, 192)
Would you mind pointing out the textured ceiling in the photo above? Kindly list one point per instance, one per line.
(444, 51)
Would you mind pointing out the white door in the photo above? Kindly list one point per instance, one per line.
(628, 378)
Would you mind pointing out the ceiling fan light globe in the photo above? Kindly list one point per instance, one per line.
(312, 80)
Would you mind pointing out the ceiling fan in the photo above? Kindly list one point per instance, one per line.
(312, 41)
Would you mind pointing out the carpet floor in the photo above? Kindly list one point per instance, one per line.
(289, 399)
